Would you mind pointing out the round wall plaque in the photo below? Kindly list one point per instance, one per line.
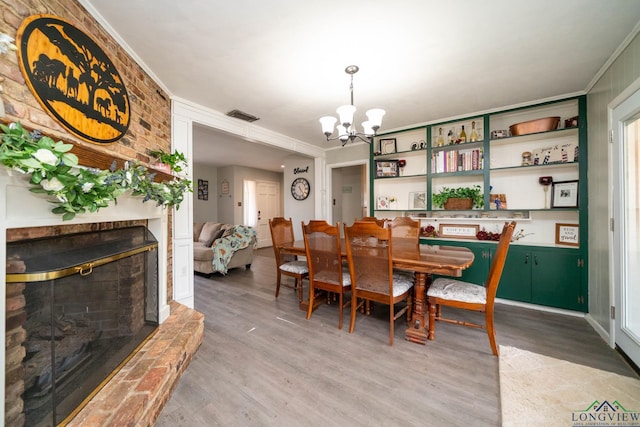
(73, 79)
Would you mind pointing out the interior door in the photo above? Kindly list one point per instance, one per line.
(268, 205)
(626, 234)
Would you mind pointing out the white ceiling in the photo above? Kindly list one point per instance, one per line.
(420, 60)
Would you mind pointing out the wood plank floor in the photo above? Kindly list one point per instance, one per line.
(263, 364)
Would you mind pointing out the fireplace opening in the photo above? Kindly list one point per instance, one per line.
(86, 302)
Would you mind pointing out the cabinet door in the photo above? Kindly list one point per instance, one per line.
(478, 271)
(556, 278)
(515, 283)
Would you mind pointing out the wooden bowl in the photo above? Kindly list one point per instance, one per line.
(534, 126)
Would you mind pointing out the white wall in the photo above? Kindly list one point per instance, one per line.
(300, 210)
(205, 210)
(622, 72)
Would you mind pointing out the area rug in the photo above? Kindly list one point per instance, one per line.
(537, 390)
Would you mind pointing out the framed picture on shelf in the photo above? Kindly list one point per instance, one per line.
(564, 194)
(568, 234)
(386, 202)
(388, 146)
(458, 231)
(387, 168)
(418, 200)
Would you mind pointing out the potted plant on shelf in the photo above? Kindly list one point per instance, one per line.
(459, 198)
(169, 162)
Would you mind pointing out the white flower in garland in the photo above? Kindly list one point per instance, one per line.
(46, 156)
(87, 186)
(6, 43)
(52, 184)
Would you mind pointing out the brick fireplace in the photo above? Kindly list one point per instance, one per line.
(79, 305)
(144, 384)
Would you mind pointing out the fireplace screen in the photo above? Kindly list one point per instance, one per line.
(90, 300)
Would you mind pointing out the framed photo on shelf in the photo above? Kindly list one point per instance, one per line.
(564, 194)
(458, 231)
(418, 200)
(387, 168)
(388, 146)
(386, 202)
(568, 234)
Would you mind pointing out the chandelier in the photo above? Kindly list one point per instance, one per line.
(346, 129)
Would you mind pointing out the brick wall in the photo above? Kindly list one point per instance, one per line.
(150, 124)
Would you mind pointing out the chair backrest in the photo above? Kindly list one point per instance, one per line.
(497, 265)
(281, 232)
(378, 221)
(369, 256)
(322, 246)
(405, 228)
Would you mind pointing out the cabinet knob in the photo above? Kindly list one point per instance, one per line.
(526, 259)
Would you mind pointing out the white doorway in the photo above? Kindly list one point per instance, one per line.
(349, 198)
(626, 219)
(267, 206)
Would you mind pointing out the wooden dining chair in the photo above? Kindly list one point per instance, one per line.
(326, 271)
(469, 296)
(403, 227)
(378, 221)
(286, 264)
(371, 270)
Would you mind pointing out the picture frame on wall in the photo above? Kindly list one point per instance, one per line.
(388, 146)
(203, 189)
(387, 168)
(564, 194)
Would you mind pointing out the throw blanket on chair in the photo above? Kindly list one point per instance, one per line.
(224, 247)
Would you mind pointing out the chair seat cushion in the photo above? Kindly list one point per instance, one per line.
(457, 290)
(401, 283)
(330, 277)
(296, 267)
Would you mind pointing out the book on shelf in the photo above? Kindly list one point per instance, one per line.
(457, 160)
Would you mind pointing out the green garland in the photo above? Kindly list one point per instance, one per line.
(54, 171)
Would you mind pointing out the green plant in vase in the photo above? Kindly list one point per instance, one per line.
(474, 193)
(176, 161)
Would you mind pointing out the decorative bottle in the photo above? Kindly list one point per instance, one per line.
(450, 137)
(440, 140)
(463, 135)
(474, 135)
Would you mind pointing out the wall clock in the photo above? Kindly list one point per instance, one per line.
(300, 188)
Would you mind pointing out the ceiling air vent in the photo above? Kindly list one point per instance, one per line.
(242, 116)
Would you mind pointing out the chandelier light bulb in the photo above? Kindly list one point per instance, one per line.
(375, 117)
(367, 128)
(327, 123)
(346, 114)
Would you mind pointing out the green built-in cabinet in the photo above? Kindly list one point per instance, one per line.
(532, 274)
(540, 268)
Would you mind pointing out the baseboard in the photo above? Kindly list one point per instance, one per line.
(541, 308)
(600, 330)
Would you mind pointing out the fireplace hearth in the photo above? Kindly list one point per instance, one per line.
(81, 304)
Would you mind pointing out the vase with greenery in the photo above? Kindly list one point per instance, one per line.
(176, 161)
(53, 170)
(474, 193)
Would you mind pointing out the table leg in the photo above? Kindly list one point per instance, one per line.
(416, 332)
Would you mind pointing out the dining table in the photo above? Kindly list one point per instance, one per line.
(423, 260)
